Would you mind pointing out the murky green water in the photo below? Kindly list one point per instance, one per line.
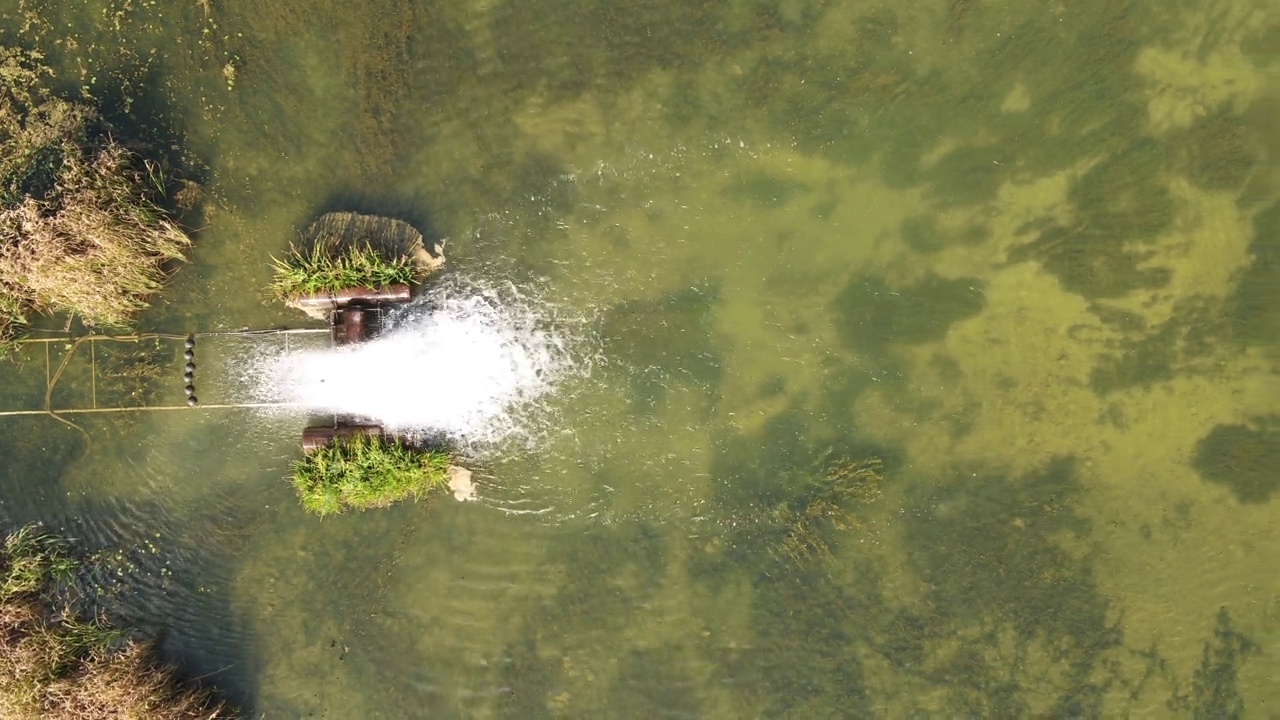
(1024, 253)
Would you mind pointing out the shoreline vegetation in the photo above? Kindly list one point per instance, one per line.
(53, 665)
(367, 471)
(82, 226)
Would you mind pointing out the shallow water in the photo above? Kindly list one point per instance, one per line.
(1026, 255)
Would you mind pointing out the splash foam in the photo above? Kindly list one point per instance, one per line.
(467, 362)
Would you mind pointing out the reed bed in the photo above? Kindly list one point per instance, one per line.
(54, 666)
(82, 230)
(366, 471)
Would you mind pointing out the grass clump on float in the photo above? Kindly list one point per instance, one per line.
(55, 666)
(366, 471)
(326, 268)
(81, 228)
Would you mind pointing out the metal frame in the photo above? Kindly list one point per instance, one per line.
(52, 376)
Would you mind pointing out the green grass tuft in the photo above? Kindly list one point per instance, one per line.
(30, 560)
(366, 471)
(324, 269)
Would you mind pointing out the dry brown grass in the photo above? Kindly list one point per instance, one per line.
(52, 666)
(80, 228)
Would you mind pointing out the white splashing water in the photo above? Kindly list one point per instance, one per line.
(466, 361)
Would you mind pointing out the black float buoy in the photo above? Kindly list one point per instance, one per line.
(189, 376)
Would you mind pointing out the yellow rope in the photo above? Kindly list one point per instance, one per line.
(53, 381)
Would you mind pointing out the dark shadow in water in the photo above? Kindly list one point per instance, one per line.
(853, 103)
(1121, 204)
(516, 205)
(810, 624)
(1244, 458)
(655, 683)
(383, 202)
(1214, 692)
(1007, 566)
(986, 546)
(1008, 595)
(537, 187)
(35, 453)
(1254, 308)
(922, 234)
(574, 47)
(807, 660)
(752, 472)
(1222, 149)
(667, 341)
(143, 567)
(609, 574)
(874, 316)
(1186, 342)
(1006, 570)
(526, 678)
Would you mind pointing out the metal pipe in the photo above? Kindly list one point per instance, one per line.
(354, 327)
(314, 438)
(397, 293)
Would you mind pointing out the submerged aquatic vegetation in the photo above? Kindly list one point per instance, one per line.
(366, 471)
(127, 373)
(55, 666)
(830, 504)
(325, 268)
(81, 227)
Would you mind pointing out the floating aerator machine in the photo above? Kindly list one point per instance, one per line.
(348, 268)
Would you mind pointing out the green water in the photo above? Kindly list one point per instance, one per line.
(1025, 253)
